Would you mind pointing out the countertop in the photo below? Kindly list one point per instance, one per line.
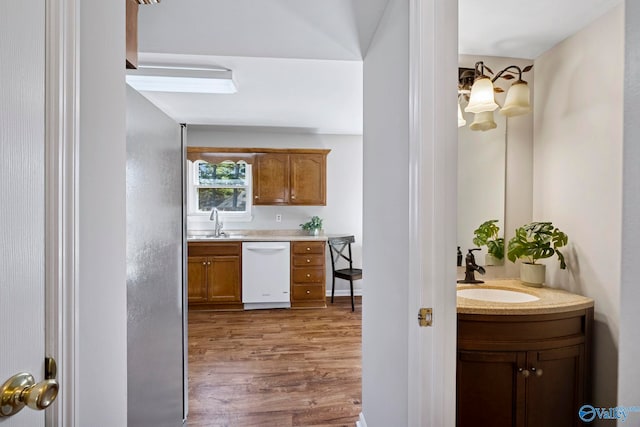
(255, 236)
(551, 300)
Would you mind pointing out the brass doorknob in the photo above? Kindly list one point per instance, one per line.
(21, 390)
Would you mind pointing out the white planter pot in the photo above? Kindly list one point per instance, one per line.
(532, 274)
(491, 260)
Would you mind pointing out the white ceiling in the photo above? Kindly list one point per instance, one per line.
(298, 63)
(517, 29)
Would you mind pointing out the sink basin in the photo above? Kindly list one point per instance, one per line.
(496, 295)
(212, 237)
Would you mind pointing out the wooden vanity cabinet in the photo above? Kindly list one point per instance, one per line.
(214, 272)
(523, 370)
(308, 274)
(297, 177)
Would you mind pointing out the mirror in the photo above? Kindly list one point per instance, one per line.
(481, 180)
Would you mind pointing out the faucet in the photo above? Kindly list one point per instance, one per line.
(217, 224)
(471, 267)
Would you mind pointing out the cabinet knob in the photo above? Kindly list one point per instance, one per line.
(308, 260)
(308, 275)
(293, 197)
(204, 262)
(525, 372)
(256, 197)
(308, 291)
(537, 372)
(308, 249)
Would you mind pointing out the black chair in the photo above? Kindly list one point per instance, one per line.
(337, 247)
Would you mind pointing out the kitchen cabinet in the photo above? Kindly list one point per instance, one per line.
(297, 177)
(523, 370)
(214, 271)
(308, 275)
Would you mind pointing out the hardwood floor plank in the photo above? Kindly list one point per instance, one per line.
(281, 368)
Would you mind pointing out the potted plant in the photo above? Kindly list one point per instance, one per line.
(532, 242)
(487, 235)
(313, 226)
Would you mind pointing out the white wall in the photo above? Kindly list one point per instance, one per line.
(629, 343)
(343, 212)
(386, 222)
(102, 316)
(578, 139)
(518, 171)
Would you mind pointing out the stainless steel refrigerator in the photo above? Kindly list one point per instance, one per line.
(156, 303)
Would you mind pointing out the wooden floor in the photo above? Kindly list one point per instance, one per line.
(276, 368)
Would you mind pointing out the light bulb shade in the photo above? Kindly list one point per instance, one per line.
(483, 121)
(482, 98)
(461, 120)
(517, 101)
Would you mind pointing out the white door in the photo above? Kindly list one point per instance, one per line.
(22, 197)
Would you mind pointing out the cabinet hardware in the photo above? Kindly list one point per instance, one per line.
(308, 275)
(308, 291)
(537, 372)
(525, 372)
(308, 260)
(308, 249)
(425, 317)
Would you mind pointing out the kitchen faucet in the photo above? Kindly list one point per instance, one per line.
(471, 267)
(217, 224)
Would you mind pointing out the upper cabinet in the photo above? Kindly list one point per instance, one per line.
(271, 179)
(294, 178)
(280, 177)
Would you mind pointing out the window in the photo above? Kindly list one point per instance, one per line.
(225, 185)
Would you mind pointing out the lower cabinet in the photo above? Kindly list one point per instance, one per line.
(523, 371)
(214, 275)
(308, 275)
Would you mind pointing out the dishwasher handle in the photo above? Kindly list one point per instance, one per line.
(266, 248)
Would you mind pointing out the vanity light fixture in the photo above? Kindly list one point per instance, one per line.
(475, 86)
(182, 78)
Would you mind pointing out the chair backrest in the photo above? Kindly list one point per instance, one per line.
(337, 247)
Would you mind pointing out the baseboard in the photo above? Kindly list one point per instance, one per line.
(361, 422)
(345, 292)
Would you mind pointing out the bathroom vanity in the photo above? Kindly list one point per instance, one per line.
(523, 356)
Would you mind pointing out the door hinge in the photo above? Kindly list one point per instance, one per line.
(425, 316)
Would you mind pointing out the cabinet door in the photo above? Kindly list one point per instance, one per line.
(555, 388)
(271, 179)
(308, 179)
(490, 390)
(197, 278)
(224, 279)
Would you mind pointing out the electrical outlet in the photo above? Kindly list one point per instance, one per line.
(278, 217)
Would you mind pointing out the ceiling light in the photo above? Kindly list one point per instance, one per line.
(479, 90)
(183, 79)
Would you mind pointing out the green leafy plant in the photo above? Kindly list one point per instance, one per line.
(487, 235)
(314, 224)
(537, 240)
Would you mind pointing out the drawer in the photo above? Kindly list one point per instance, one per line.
(308, 260)
(207, 248)
(308, 275)
(308, 247)
(308, 292)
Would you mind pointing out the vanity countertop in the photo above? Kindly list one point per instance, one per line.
(550, 300)
(254, 236)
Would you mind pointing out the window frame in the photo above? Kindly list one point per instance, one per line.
(192, 195)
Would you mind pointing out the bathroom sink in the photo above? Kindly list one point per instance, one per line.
(496, 295)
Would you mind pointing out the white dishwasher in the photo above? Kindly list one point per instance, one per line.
(266, 275)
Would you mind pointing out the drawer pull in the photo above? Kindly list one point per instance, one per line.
(308, 249)
(308, 275)
(308, 291)
(308, 260)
